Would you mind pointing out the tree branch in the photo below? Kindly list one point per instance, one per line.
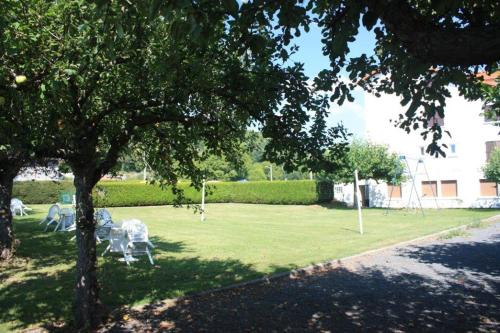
(468, 46)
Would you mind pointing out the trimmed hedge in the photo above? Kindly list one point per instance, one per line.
(128, 193)
(40, 192)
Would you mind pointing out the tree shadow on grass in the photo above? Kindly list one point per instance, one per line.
(38, 288)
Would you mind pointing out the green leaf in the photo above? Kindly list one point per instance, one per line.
(231, 6)
(119, 30)
(369, 20)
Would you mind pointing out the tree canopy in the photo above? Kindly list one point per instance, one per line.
(171, 77)
(373, 161)
(174, 76)
(422, 47)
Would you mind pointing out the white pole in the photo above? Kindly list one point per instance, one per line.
(270, 166)
(144, 172)
(358, 200)
(203, 201)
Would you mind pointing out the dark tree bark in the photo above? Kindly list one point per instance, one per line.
(8, 171)
(88, 309)
(6, 232)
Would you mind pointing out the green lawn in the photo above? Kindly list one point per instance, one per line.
(237, 242)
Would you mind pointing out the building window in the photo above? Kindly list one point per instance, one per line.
(490, 146)
(449, 188)
(394, 191)
(338, 189)
(487, 188)
(429, 188)
(453, 148)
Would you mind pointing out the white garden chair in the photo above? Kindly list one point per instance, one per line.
(66, 220)
(51, 215)
(131, 239)
(137, 233)
(104, 225)
(17, 206)
(119, 243)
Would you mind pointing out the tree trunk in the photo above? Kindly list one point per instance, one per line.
(6, 232)
(87, 307)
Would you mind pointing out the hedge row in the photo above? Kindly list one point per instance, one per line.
(123, 194)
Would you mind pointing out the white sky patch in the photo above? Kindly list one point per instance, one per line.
(352, 115)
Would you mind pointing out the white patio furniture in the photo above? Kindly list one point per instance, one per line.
(131, 240)
(137, 233)
(66, 220)
(119, 243)
(104, 225)
(18, 208)
(54, 211)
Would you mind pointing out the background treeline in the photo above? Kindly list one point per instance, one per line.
(249, 165)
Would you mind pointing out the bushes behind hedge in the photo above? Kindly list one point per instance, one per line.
(133, 193)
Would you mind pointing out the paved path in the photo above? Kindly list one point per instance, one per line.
(439, 285)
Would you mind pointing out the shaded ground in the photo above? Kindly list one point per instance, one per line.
(439, 286)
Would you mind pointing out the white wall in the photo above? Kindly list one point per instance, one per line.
(469, 134)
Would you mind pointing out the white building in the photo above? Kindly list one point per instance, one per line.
(453, 181)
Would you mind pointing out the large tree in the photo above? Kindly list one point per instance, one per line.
(173, 73)
(171, 76)
(25, 60)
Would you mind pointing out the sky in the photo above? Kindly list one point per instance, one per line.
(311, 55)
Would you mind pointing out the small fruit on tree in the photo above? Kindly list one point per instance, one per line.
(20, 79)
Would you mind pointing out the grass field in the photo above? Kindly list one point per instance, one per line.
(237, 242)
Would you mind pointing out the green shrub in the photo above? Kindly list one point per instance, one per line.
(40, 192)
(134, 193)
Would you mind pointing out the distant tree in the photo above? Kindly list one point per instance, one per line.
(218, 168)
(373, 161)
(255, 144)
(491, 98)
(492, 168)
(256, 172)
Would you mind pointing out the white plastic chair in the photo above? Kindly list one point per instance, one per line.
(51, 215)
(104, 225)
(138, 235)
(17, 206)
(66, 220)
(119, 243)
